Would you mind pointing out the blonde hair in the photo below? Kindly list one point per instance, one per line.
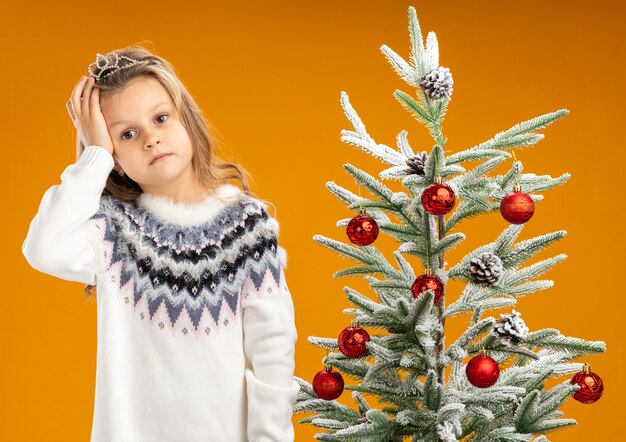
(211, 170)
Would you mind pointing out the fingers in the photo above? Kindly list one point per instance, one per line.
(69, 107)
(94, 100)
(74, 100)
(84, 108)
(86, 101)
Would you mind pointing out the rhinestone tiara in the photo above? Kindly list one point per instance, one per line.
(106, 68)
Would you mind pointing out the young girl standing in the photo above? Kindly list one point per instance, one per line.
(196, 333)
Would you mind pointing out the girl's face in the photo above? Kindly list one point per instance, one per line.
(143, 123)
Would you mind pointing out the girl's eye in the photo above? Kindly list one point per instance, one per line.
(124, 133)
(128, 131)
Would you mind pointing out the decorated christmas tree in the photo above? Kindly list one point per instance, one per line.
(489, 384)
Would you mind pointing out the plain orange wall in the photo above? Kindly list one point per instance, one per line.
(269, 76)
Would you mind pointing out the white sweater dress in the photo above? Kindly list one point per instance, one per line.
(196, 330)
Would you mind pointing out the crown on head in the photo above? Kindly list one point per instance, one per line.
(106, 68)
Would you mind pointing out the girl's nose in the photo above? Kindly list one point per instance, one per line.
(153, 140)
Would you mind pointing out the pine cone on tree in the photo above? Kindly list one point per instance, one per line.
(510, 328)
(437, 84)
(485, 269)
(416, 164)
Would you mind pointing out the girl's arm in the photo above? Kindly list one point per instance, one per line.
(269, 343)
(58, 242)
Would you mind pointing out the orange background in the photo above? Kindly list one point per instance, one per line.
(269, 76)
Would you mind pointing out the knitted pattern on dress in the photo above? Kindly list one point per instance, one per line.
(190, 279)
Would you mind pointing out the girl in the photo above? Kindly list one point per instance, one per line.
(196, 333)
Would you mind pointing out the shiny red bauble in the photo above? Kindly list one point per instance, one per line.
(425, 282)
(328, 384)
(517, 207)
(352, 341)
(591, 386)
(362, 230)
(438, 199)
(482, 371)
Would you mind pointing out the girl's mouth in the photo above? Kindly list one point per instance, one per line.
(159, 158)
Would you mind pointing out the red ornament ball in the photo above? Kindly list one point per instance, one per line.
(425, 282)
(328, 384)
(352, 342)
(482, 371)
(517, 207)
(438, 199)
(591, 386)
(362, 230)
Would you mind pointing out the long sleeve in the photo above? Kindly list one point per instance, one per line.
(269, 344)
(58, 242)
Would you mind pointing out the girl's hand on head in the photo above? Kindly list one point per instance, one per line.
(84, 109)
